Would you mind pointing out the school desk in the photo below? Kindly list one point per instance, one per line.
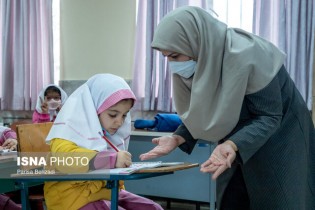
(7, 167)
(112, 180)
(191, 185)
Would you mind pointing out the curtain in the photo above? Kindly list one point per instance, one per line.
(151, 80)
(290, 25)
(27, 52)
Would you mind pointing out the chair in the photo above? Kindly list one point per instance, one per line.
(19, 122)
(31, 140)
(31, 137)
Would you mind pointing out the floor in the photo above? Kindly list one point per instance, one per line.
(167, 204)
(181, 204)
(173, 205)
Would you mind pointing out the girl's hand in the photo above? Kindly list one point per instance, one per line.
(59, 107)
(165, 145)
(10, 144)
(44, 106)
(123, 159)
(221, 159)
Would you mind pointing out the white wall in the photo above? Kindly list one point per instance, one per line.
(97, 36)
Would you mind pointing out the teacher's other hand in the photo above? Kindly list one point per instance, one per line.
(221, 159)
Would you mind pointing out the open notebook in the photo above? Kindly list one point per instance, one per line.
(7, 152)
(135, 166)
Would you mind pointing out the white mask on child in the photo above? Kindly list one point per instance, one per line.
(183, 68)
(53, 104)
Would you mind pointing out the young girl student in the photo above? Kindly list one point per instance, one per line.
(49, 103)
(7, 141)
(101, 104)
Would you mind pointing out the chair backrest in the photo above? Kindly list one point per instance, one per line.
(31, 141)
(16, 123)
(31, 137)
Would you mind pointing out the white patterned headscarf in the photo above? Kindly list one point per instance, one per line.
(231, 63)
(78, 119)
(3, 128)
(41, 96)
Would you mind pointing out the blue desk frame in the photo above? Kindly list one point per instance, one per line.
(140, 142)
(112, 183)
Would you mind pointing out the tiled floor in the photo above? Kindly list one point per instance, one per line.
(181, 205)
(166, 204)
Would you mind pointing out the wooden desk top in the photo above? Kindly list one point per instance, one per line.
(143, 173)
(168, 168)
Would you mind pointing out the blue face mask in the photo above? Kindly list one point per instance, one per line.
(183, 68)
(105, 132)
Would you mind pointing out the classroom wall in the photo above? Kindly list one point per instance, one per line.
(96, 36)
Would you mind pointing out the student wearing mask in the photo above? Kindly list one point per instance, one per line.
(49, 103)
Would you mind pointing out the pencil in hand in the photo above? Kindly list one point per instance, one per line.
(108, 141)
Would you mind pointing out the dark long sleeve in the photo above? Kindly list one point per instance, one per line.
(264, 109)
(190, 142)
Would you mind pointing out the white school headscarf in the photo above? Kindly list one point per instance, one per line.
(78, 119)
(3, 128)
(230, 64)
(41, 97)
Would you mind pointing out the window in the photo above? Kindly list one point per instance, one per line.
(235, 13)
(56, 39)
(155, 93)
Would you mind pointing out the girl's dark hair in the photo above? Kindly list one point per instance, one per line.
(127, 99)
(52, 89)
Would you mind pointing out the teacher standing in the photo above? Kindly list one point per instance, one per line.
(231, 87)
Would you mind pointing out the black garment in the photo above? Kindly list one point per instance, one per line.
(276, 141)
(235, 195)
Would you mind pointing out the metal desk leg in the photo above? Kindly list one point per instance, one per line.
(212, 194)
(114, 194)
(212, 184)
(24, 195)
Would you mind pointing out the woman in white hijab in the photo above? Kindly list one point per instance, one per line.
(231, 87)
(101, 105)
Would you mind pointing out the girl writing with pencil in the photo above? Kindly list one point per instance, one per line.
(100, 106)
